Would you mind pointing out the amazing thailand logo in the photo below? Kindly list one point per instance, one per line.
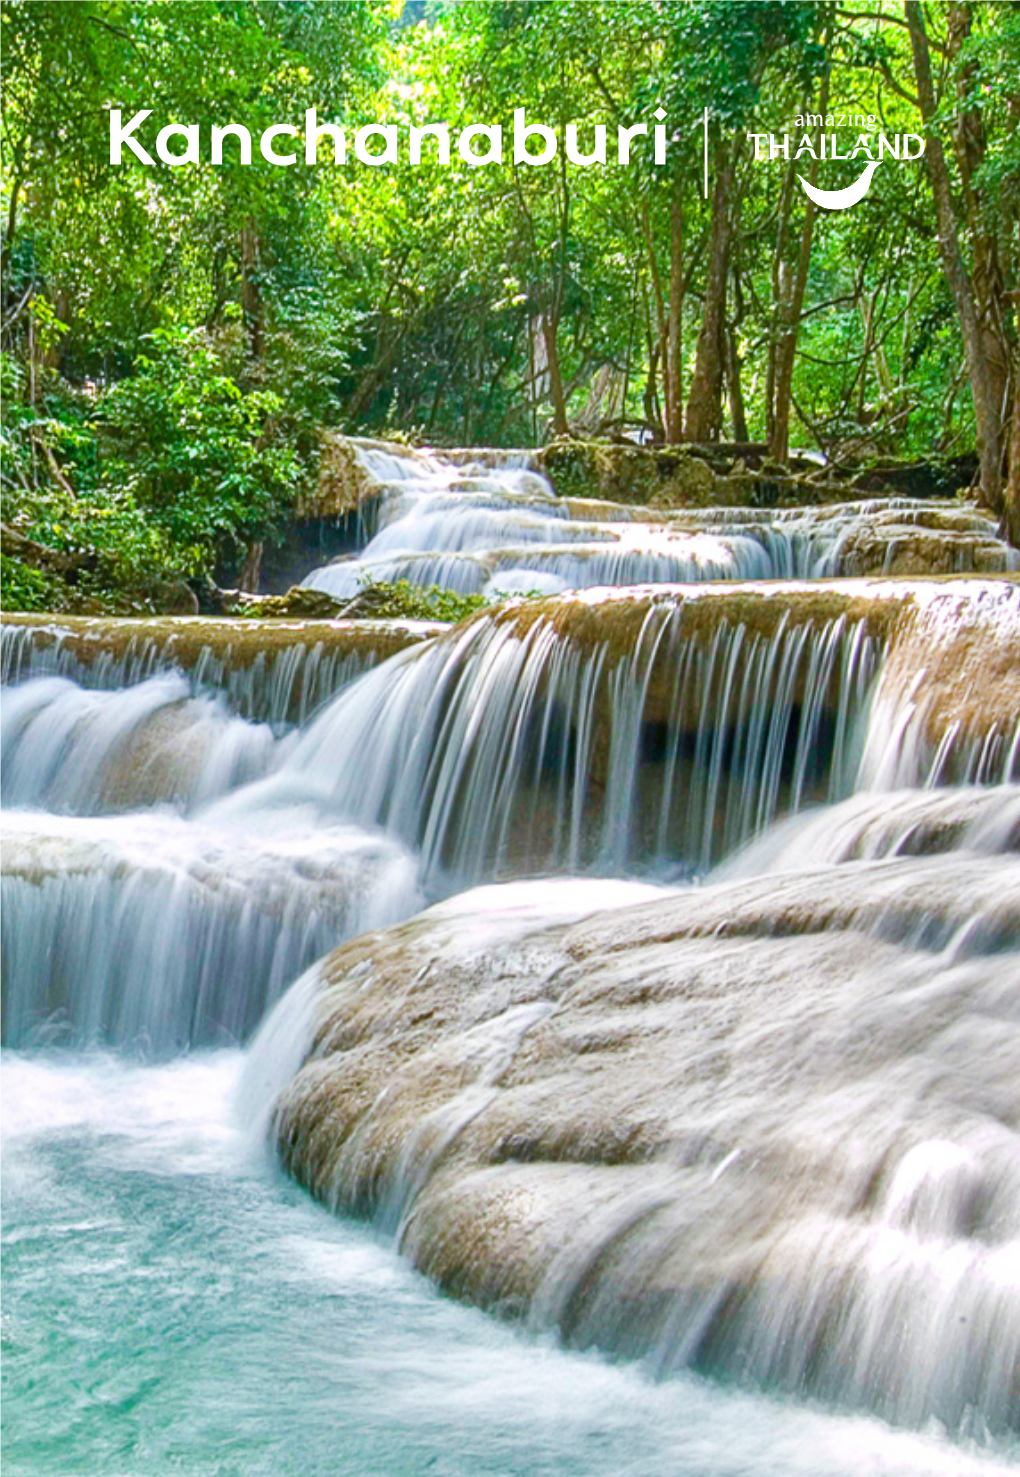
(869, 143)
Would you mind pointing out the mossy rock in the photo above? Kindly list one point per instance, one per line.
(343, 484)
(186, 641)
(669, 476)
(171, 597)
(299, 603)
(666, 477)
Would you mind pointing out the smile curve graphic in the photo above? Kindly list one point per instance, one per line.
(841, 199)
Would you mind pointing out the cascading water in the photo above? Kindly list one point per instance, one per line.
(646, 734)
(768, 1129)
(194, 1314)
(75, 751)
(216, 924)
(496, 527)
(270, 671)
(503, 751)
(761, 1126)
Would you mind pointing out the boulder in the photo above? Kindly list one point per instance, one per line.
(343, 484)
(768, 1128)
(656, 477)
(299, 603)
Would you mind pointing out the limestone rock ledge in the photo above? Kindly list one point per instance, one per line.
(768, 1128)
(268, 670)
(343, 484)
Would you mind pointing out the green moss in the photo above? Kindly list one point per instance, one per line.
(342, 485)
(299, 603)
(572, 467)
(614, 625)
(186, 640)
(397, 600)
(667, 476)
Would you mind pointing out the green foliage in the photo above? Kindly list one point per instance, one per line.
(415, 295)
(401, 600)
(173, 337)
(24, 588)
(121, 550)
(209, 462)
(170, 471)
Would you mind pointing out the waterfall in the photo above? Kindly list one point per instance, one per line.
(947, 707)
(614, 735)
(149, 931)
(499, 750)
(489, 524)
(641, 733)
(732, 1086)
(79, 751)
(269, 671)
(873, 825)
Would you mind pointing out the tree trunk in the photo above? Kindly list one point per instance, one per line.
(790, 309)
(674, 332)
(650, 397)
(40, 556)
(560, 423)
(970, 145)
(12, 209)
(737, 410)
(61, 303)
(1012, 493)
(781, 287)
(704, 403)
(383, 360)
(33, 361)
(251, 297)
(251, 568)
(254, 318)
(988, 405)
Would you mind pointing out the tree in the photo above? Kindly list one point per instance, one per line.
(952, 261)
(507, 303)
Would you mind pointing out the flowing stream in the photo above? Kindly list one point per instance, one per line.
(493, 525)
(174, 1306)
(184, 839)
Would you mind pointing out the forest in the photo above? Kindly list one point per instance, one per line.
(510, 676)
(174, 339)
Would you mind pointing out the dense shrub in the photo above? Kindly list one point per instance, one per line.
(212, 464)
(161, 477)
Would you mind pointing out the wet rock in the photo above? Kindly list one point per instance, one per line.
(950, 687)
(279, 670)
(726, 1129)
(299, 603)
(343, 484)
(910, 541)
